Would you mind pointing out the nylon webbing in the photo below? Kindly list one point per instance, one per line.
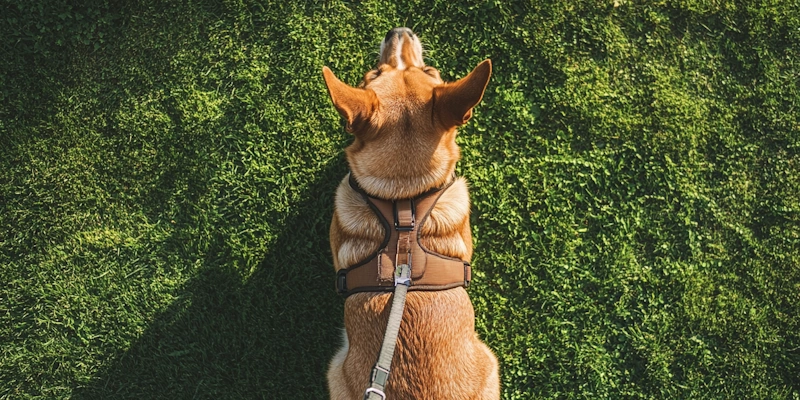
(380, 373)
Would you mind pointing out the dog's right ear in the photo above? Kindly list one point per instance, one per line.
(354, 105)
(454, 101)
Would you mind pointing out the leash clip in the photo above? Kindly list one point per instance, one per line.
(370, 391)
(402, 275)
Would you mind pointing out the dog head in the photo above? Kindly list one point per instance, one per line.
(404, 117)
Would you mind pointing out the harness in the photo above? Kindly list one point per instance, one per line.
(400, 264)
(401, 245)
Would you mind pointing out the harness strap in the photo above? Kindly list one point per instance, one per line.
(404, 225)
(382, 368)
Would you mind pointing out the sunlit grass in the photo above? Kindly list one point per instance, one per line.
(167, 174)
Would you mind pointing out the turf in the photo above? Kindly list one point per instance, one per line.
(167, 171)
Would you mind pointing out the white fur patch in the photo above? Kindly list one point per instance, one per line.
(398, 53)
(338, 359)
(336, 381)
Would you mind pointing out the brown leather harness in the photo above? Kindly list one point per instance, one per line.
(401, 245)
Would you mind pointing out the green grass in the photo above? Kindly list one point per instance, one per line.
(167, 174)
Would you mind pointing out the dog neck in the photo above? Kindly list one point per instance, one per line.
(354, 183)
(407, 187)
(402, 166)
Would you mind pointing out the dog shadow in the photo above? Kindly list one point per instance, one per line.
(228, 333)
(267, 336)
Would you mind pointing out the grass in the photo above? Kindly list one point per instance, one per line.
(167, 170)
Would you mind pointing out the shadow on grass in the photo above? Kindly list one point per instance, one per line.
(269, 336)
(266, 335)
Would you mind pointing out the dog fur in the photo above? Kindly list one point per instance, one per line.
(403, 118)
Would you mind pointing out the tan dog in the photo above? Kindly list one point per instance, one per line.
(403, 119)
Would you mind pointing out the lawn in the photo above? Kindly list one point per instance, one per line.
(167, 172)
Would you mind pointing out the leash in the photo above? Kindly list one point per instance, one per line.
(404, 214)
(404, 223)
(380, 373)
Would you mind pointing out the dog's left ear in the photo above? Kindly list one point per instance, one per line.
(355, 105)
(453, 102)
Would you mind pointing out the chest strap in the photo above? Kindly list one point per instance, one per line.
(429, 270)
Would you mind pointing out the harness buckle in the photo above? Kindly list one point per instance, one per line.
(405, 228)
(341, 281)
(379, 375)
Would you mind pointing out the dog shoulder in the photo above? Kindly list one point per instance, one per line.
(359, 230)
(451, 212)
(446, 230)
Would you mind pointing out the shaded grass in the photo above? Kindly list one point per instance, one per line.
(168, 173)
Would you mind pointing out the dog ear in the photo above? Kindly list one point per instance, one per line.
(453, 102)
(354, 105)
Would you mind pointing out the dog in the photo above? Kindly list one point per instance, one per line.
(403, 119)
